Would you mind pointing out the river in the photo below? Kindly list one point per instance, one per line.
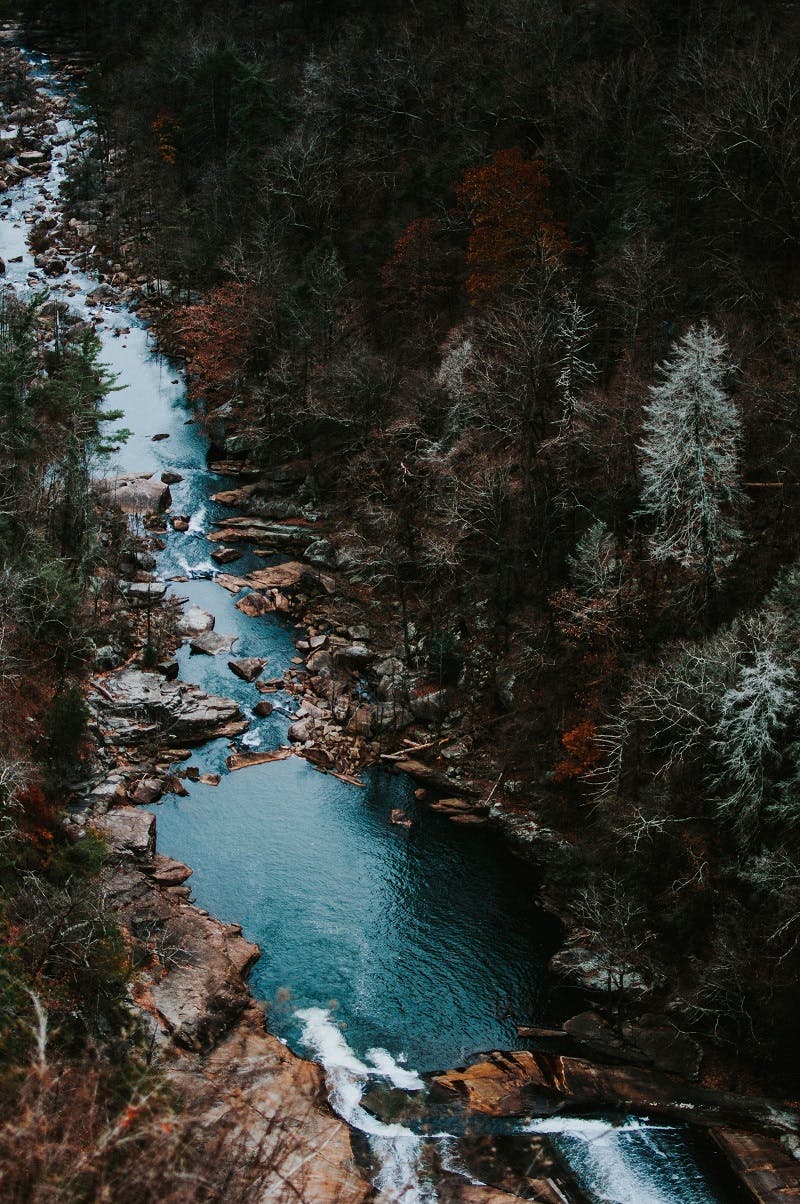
(386, 952)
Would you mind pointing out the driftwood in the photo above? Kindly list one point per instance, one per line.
(245, 760)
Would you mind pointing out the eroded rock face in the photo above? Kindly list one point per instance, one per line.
(527, 1083)
(194, 984)
(256, 1093)
(135, 705)
(130, 834)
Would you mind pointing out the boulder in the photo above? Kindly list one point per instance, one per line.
(171, 478)
(168, 872)
(143, 593)
(136, 494)
(665, 1048)
(54, 265)
(226, 555)
(247, 667)
(254, 605)
(210, 643)
(593, 971)
(299, 731)
(263, 709)
(354, 655)
(146, 791)
(592, 1030)
(321, 553)
(129, 834)
(429, 707)
(320, 662)
(194, 621)
(107, 658)
(108, 794)
(133, 705)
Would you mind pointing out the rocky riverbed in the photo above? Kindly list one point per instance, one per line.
(356, 702)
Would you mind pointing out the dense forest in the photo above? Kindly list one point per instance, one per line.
(519, 283)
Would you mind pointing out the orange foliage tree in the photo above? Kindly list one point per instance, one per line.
(166, 128)
(511, 222)
(583, 754)
(217, 336)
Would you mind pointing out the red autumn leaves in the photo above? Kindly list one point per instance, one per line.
(511, 230)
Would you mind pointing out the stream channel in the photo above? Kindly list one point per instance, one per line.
(385, 952)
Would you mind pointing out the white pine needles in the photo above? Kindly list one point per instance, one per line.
(690, 455)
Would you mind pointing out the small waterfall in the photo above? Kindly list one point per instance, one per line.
(197, 522)
(395, 1147)
(627, 1163)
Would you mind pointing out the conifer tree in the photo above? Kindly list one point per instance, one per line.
(690, 461)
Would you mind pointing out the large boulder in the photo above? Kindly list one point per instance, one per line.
(129, 834)
(194, 621)
(139, 493)
(247, 667)
(143, 593)
(211, 643)
(429, 706)
(135, 705)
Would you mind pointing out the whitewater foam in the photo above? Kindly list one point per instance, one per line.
(610, 1161)
(397, 1150)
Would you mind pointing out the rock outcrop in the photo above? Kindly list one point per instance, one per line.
(241, 1083)
(137, 493)
(134, 705)
(541, 1084)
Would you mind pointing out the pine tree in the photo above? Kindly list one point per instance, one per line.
(690, 457)
(753, 713)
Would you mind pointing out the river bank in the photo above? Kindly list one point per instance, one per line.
(336, 665)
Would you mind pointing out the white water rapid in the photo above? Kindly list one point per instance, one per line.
(396, 1148)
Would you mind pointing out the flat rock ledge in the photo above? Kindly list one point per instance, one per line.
(133, 706)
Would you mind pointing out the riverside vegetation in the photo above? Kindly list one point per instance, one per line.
(510, 290)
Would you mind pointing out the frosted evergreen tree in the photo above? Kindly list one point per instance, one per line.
(690, 461)
(753, 712)
(596, 569)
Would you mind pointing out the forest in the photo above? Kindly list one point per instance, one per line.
(519, 282)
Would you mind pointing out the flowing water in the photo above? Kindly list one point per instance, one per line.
(385, 952)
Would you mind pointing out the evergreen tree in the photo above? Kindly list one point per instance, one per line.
(690, 462)
(753, 713)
